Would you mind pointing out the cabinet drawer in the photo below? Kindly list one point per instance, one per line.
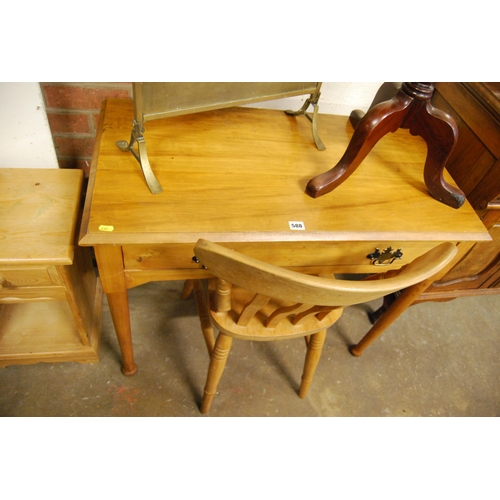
(342, 256)
(13, 295)
(15, 278)
(20, 285)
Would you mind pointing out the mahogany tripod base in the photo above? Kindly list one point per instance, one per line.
(409, 109)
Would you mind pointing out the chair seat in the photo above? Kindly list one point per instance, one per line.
(255, 329)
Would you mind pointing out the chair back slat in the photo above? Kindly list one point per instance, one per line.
(251, 308)
(284, 312)
(319, 311)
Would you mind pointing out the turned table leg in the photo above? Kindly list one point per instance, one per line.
(400, 304)
(409, 109)
(110, 263)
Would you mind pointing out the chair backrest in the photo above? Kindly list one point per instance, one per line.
(272, 281)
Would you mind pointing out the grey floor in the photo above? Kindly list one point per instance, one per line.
(438, 359)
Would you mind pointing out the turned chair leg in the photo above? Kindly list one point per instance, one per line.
(215, 370)
(314, 347)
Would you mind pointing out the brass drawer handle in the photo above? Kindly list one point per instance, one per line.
(384, 257)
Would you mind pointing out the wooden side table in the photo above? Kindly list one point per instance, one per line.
(237, 177)
(50, 296)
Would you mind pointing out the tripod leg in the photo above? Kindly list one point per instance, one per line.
(385, 93)
(380, 120)
(440, 132)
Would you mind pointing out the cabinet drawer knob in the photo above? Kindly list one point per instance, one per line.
(384, 257)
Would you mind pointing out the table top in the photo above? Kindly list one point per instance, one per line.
(38, 215)
(240, 174)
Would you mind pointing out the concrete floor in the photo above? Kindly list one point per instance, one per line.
(438, 359)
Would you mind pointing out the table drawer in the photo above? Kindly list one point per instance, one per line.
(327, 256)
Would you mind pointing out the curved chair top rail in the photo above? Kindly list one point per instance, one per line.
(274, 281)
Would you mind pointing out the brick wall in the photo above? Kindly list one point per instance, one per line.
(73, 113)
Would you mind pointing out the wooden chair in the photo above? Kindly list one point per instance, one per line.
(253, 300)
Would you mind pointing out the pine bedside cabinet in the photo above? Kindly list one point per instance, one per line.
(50, 295)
